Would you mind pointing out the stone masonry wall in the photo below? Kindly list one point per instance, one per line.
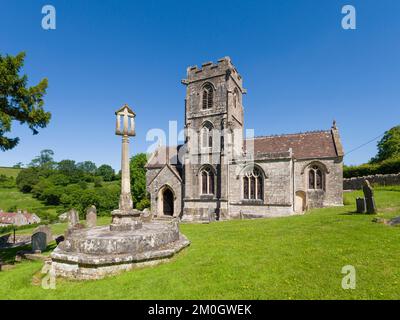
(379, 179)
(333, 174)
(163, 179)
(277, 200)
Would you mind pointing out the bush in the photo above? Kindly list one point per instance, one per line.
(6, 182)
(106, 172)
(13, 208)
(98, 182)
(385, 167)
(52, 195)
(142, 204)
(27, 179)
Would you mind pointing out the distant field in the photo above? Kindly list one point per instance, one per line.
(12, 198)
(9, 172)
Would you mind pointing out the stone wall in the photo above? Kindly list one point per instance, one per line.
(331, 195)
(379, 179)
(277, 186)
(157, 181)
(8, 239)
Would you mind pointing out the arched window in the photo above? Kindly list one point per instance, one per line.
(208, 95)
(315, 178)
(206, 135)
(207, 181)
(253, 185)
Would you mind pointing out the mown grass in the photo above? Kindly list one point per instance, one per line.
(298, 257)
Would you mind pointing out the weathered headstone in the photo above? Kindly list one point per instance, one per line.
(360, 203)
(47, 231)
(39, 241)
(369, 198)
(73, 218)
(147, 216)
(91, 217)
(63, 217)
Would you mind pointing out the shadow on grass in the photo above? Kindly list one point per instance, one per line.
(7, 255)
(351, 213)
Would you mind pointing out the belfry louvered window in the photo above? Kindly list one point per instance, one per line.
(207, 181)
(207, 135)
(208, 96)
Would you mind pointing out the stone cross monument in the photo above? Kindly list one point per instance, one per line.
(125, 218)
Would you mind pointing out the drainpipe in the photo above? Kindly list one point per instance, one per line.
(293, 182)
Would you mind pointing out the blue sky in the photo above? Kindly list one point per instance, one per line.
(300, 68)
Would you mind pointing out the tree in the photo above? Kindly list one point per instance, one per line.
(44, 160)
(87, 167)
(98, 182)
(19, 102)
(27, 179)
(388, 146)
(138, 177)
(106, 171)
(18, 165)
(67, 167)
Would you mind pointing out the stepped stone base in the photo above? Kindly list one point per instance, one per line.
(99, 252)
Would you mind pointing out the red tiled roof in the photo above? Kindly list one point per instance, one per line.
(306, 145)
(8, 217)
(315, 144)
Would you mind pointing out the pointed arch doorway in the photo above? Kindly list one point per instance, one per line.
(168, 202)
(166, 198)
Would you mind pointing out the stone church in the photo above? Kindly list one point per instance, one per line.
(219, 173)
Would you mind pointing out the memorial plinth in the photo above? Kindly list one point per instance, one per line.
(98, 252)
(128, 242)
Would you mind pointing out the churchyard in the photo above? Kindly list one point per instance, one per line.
(297, 257)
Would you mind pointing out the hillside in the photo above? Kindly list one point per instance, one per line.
(9, 172)
(12, 199)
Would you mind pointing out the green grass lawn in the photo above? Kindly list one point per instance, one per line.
(299, 257)
(9, 172)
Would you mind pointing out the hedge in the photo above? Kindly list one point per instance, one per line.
(367, 169)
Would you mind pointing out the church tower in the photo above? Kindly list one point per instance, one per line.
(213, 136)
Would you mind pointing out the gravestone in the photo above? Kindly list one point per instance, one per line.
(147, 215)
(39, 241)
(73, 218)
(91, 217)
(59, 239)
(369, 198)
(47, 231)
(360, 203)
(63, 217)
